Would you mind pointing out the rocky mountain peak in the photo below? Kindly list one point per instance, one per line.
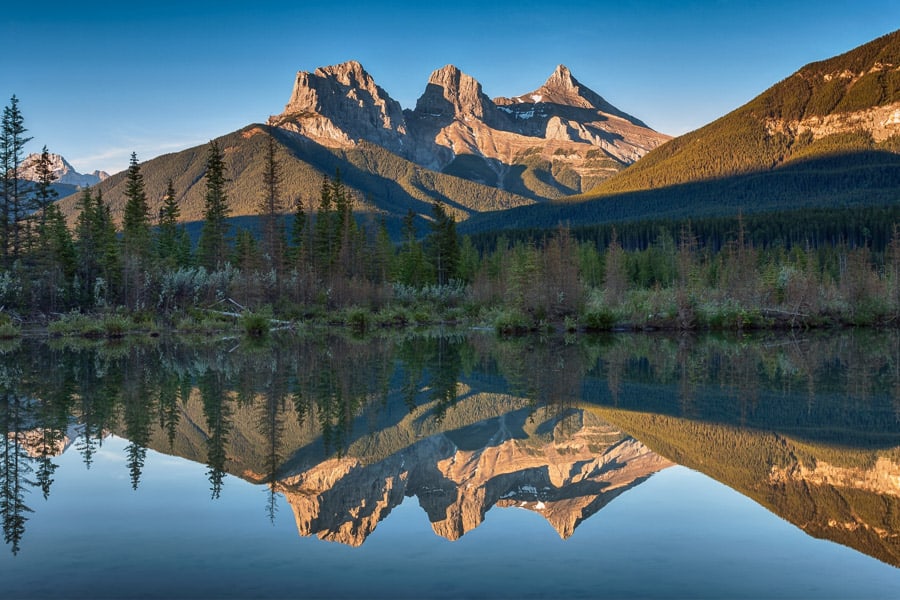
(350, 73)
(561, 79)
(452, 93)
(341, 104)
(565, 93)
(562, 88)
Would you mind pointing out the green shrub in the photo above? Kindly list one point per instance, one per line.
(256, 324)
(9, 330)
(512, 322)
(358, 319)
(393, 316)
(75, 323)
(599, 319)
(115, 325)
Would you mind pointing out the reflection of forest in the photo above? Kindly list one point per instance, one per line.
(345, 429)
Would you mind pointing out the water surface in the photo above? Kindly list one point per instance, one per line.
(453, 466)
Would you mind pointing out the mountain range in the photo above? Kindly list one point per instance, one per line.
(457, 146)
(556, 140)
(828, 135)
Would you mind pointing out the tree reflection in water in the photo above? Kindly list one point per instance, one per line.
(807, 426)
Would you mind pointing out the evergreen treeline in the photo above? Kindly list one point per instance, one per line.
(807, 228)
(803, 268)
(843, 180)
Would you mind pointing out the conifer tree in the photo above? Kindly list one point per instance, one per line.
(342, 218)
(44, 194)
(299, 237)
(212, 247)
(136, 219)
(270, 209)
(12, 205)
(172, 242)
(58, 250)
(53, 253)
(136, 239)
(443, 245)
(412, 266)
(96, 250)
(323, 234)
(615, 280)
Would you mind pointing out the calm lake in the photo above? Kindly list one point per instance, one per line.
(452, 465)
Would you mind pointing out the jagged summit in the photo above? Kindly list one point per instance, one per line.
(562, 89)
(341, 104)
(345, 72)
(450, 92)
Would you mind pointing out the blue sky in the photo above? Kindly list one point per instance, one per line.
(98, 80)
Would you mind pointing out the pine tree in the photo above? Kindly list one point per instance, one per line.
(412, 266)
(44, 194)
(212, 248)
(270, 209)
(136, 219)
(323, 234)
(443, 245)
(13, 209)
(343, 216)
(615, 280)
(172, 242)
(53, 253)
(299, 237)
(96, 250)
(136, 239)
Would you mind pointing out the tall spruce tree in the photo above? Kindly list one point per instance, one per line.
(443, 244)
(299, 233)
(323, 233)
(52, 255)
(412, 265)
(136, 219)
(270, 209)
(136, 239)
(212, 249)
(13, 209)
(172, 242)
(43, 195)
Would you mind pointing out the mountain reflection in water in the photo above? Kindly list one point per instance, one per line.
(346, 429)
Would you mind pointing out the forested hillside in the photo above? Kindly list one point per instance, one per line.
(379, 182)
(825, 107)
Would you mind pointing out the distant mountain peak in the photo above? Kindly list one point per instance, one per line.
(65, 173)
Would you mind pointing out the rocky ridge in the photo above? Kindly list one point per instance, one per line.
(560, 139)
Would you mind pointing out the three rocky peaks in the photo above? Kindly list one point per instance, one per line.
(560, 139)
